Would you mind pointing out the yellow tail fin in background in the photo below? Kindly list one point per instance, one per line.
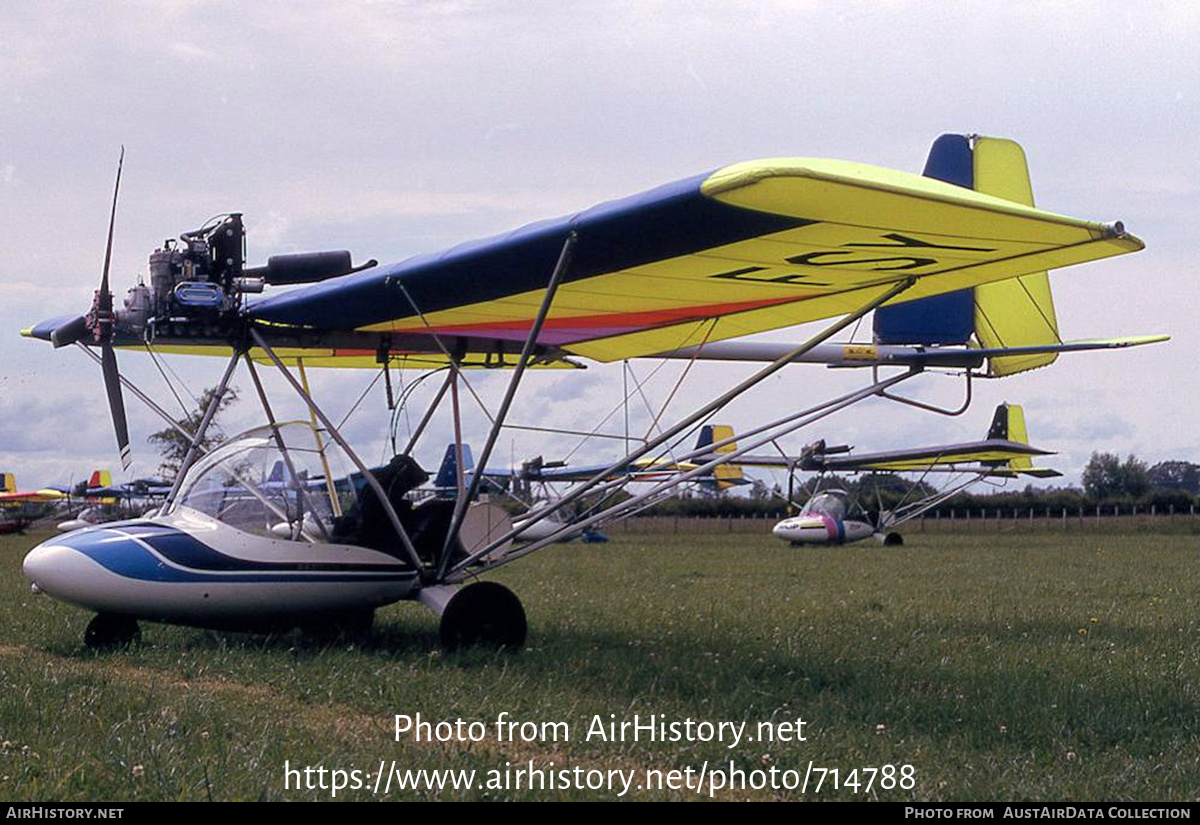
(1009, 424)
(726, 475)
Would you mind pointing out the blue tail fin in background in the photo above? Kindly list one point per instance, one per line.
(447, 474)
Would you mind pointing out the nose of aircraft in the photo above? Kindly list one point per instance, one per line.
(63, 573)
(53, 568)
(38, 565)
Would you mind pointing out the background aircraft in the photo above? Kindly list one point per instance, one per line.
(20, 508)
(10, 495)
(832, 516)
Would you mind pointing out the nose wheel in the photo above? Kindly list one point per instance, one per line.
(109, 632)
(483, 614)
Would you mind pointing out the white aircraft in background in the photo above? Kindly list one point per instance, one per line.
(832, 516)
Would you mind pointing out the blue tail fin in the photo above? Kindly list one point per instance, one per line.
(942, 319)
(447, 474)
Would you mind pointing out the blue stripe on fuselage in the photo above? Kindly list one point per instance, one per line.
(129, 556)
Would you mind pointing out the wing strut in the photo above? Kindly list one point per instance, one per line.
(460, 506)
(786, 425)
(194, 449)
(301, 492)
(429, 411)
(372, 482)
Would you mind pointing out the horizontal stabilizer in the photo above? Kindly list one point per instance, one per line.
(1005, 452)
(881, 355)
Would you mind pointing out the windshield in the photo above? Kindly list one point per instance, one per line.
(830, 503)
(251, 484)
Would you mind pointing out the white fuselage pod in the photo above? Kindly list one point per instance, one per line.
(816, 528)
(544, 529)
(188, 568)
(88, 518)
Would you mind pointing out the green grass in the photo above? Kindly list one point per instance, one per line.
(1033, 666)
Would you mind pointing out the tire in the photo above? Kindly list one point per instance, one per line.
(107, 631)
(893, 540)
(485, 614)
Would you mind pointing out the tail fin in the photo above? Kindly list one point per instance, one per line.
(725, 475)
(447, 474)
(1008, 424)
(277, 471)
(941, 319)
(1020, 311)
(9, 483)
(100, 478)
(1012, 313)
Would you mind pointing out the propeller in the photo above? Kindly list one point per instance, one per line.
(100, 325)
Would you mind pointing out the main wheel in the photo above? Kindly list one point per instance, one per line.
(893, 540)
(485, 613)
(107, 632)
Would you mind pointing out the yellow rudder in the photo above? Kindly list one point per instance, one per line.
(1020, 311)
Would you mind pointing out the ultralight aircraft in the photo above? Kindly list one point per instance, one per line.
(829, 517)
(680, 271)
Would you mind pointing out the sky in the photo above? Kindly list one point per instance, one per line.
(396, 128)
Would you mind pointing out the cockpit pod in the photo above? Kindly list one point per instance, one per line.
(306, 491)
(828, 517)
(258, 538)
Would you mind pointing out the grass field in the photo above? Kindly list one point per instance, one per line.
(1001, 667)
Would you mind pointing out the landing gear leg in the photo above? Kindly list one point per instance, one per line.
(108, 632)
(486, 614)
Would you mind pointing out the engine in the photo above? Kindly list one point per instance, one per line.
(198, 283)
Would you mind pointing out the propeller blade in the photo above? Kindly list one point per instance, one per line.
(112, 220)
(70, 332)
(116, 403)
